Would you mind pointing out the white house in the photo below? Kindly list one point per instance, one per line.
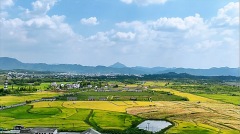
(54, 84)
(40, 130)
(62, 85)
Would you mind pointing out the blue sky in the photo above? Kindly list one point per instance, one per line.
(166, 33)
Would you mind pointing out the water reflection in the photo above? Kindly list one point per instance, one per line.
(153, 125)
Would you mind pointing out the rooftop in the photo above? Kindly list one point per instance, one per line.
(42, 129)
(90, 131)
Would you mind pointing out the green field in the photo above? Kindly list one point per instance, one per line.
(190, 128)
(125, 96)
(223, 97)
(67, 119)
(42, 86)
(112, 120)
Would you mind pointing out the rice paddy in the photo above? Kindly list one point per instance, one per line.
(191, 97)
(190, 116)
(223, 97)
(69, 116)
(11, 100)
(210, 116)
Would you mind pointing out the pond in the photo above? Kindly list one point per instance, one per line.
(154, 125)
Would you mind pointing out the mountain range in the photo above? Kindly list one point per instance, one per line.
(7, 63)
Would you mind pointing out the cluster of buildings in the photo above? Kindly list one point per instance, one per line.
(16, 75)
(65, 86)
(19, 129)
(68, 86)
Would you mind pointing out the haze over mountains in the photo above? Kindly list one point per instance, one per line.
(7, 63)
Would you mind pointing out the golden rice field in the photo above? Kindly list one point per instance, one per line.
(11, 100)
(191, 97)
(151, 83)
(206, 117)
(116, 106)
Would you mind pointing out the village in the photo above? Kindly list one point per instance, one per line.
(20, 129)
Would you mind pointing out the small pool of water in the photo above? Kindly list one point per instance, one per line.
(154, 125)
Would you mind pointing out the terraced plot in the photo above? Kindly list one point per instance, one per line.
(68, 116)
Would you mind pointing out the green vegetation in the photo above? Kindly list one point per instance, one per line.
(189, 128)
(111, 120)
(22, 112)
(223, 97)
(45, 111)
(125, 96)
(70, 117)
(67, 119)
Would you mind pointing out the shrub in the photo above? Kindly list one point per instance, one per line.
(185, 99)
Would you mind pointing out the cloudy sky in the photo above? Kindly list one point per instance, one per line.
(166, 33)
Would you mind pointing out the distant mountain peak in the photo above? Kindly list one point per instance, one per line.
(118, 65)
(8, 60)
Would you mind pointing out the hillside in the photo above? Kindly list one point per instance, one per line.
(7, 63)
(225, 71)
(118, 65)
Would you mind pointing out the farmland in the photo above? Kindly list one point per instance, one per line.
(11, 100)
(212, 115)
(191, 97)
(70, 117)
(206, 117)
(125, 96)
(223, 97)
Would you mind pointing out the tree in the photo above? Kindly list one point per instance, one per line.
(36, 84)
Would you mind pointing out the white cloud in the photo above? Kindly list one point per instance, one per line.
(21, 8)
(40, 8)
(208, 44)
(101, 39)
(89, 21)
(6, 3)
(228, 15)
(145, 2)
(3, 15)
(227, 32)
(231, 41)
(178, 23)
(127, 1)
(154, 42)
(122, 35)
